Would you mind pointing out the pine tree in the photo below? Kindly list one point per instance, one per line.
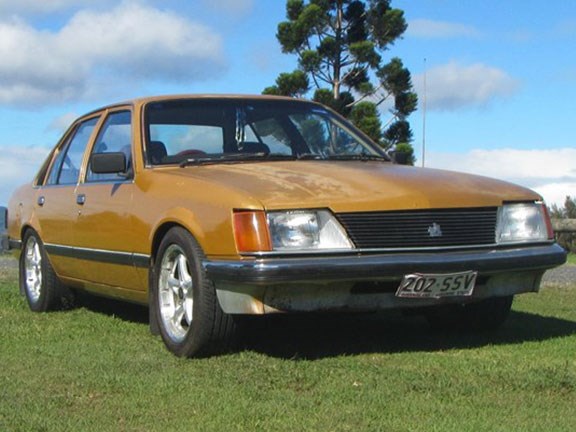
(339, 45)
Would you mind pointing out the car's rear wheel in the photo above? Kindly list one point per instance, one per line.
(38, 281)
(485, 315)
(184, 305)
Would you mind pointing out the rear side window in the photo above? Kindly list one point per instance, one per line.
(66, 166)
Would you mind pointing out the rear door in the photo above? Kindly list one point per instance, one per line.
(55, 206)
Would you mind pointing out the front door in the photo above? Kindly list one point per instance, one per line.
(104, 233)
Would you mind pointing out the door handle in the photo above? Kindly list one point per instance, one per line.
(41, 200)
(80, 199)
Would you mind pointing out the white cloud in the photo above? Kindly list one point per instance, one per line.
(454, 86)
(551, 172)
(556, 193)
(96, 51)
(425, 28)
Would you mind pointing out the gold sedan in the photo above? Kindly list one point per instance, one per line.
(207, 208)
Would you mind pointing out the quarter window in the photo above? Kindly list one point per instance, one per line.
(66, 166)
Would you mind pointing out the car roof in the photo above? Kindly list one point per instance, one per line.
(160, 98)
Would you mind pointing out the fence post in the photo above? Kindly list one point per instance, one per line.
(564, 226)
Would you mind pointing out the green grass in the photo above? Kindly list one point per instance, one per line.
(571, 259)
(99, 369)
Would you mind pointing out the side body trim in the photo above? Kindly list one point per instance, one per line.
(107, 256)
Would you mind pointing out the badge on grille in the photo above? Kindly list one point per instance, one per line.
(435, 230)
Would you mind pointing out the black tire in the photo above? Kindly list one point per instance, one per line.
(38, 281)
(184, 308)
(485, 315)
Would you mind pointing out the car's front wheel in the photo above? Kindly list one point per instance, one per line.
(183, 301)
(38, 281)
(484, 315)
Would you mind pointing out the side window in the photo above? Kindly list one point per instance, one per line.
(66, 166)
(115, 136)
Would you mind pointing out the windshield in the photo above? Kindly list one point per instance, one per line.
(224, 130)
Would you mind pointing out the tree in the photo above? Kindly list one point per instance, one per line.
(293, 84)
(339, 45)
(566, 212)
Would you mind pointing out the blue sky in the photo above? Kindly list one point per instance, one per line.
(500, 76)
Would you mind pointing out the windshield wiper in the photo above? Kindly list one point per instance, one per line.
(358, 157)
(264, 157)
(309, 156)
(235, 158)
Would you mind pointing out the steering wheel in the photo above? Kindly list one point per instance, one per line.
(189, 152)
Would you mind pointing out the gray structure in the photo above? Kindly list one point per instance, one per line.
(3, 234)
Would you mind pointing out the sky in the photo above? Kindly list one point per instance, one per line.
(496, 79)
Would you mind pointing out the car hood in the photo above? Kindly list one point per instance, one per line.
(356, 185)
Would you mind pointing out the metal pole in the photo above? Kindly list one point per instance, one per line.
(424, 119)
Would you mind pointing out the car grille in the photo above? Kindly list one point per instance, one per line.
(421, 228)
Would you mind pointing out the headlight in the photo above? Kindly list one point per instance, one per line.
(523, 223)
(304, 230)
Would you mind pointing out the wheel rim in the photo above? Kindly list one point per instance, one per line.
(33, 269)
(175, 289)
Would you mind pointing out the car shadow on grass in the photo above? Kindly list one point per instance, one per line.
(317, 337)
(122, 310)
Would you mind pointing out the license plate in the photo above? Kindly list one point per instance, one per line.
(419, 285)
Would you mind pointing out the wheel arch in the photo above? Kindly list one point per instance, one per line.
(29, 227)
(209, 227)
(24, 228)
(159, 234)
(166, 225)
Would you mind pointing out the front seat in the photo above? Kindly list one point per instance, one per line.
(156, 152)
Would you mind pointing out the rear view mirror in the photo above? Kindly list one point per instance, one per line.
(108, 163)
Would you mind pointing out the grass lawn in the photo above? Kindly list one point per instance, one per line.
(571, 259)
(99, 369)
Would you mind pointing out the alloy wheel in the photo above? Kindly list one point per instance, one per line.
(175, 289)
(33, 269)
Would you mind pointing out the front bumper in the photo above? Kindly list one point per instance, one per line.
(373, 267)
(308, 283)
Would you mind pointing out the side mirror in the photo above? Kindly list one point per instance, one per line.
(401, 158)
(108, 163)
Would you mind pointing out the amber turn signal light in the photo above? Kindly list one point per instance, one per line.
(251, 231)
